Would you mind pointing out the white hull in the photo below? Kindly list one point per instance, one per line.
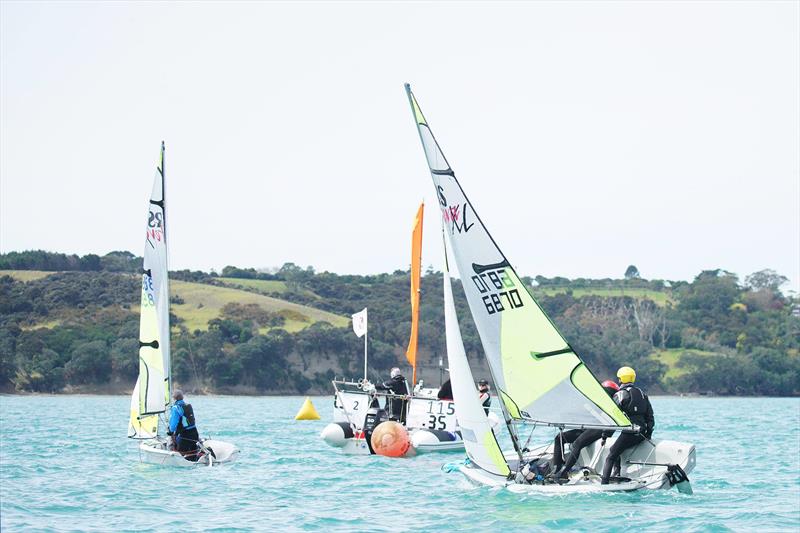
(155, 452)
(593, 458)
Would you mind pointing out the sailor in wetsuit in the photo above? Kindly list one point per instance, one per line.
(484, 396)
(396, 385)
(579, 439)
(182, 427)
(634, 403)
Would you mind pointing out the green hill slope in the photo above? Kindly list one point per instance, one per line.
(202, 302)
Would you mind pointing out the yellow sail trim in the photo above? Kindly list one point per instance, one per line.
(495, 454)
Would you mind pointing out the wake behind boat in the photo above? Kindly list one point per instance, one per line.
(153, 393)
(539, 378)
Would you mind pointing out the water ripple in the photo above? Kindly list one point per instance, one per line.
(72, 470)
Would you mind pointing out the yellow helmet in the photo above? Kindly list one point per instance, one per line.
(626, 374)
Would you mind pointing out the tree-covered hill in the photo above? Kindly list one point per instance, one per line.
(70, 323)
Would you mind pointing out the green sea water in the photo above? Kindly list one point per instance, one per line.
(66, 465)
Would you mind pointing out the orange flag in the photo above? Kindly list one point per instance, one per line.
(416, 267)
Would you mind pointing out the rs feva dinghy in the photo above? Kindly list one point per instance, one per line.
(152, 394)
(539, 378)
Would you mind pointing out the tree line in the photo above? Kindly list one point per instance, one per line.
(78, 328)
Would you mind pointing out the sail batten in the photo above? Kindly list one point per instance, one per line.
(537, 373)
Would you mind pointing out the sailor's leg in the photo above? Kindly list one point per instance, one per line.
(584, 439)
(623, 442)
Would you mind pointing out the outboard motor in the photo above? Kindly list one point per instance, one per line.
(375, 415)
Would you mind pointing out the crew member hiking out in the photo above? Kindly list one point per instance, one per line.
(634, 403)
(396, 385)
(579, 439)
(182, 427)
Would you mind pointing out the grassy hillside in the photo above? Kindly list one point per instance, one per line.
(202, 302)
(25, 275)
(263, 286)
(660, 298)
(670, 358)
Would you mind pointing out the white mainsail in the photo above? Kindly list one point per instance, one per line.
(151, 394)
(536, 372)
(479, 440)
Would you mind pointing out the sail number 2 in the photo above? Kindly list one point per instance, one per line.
(498, 290)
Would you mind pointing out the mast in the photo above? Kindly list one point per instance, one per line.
(168, 366)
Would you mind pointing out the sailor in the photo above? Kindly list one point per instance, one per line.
(396, 385)
(445, 391)
(182, 427)
(579, 439)
(484, 396)
(634, 403)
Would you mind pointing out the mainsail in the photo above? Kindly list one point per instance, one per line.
(536, 372)
(479, 440)
(416, 267)
(151, 394)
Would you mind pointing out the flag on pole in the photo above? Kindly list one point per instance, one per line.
(360, 322)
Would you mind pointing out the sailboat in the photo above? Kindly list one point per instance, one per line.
(540, 380)
(431, 422)
(152, 394)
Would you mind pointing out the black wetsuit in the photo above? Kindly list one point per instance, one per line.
(635, 403)
(486, 400)
(579, 438)
(396, 385)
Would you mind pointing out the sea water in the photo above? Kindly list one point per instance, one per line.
(66, 465)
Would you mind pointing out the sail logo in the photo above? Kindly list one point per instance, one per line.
(498, 290)
(455, 216)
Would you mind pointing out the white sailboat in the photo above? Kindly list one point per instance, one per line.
(539, 378)
(152, 394)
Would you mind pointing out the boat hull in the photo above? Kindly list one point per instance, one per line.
(652, 475)
(156, 452)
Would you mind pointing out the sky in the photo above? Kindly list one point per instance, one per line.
(588, 135)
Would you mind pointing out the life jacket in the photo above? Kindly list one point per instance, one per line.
(636, 406)
(187, 420)
(486, 399)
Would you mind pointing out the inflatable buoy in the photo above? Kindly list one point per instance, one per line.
(307, 412)
(337, 433)
(390, 439)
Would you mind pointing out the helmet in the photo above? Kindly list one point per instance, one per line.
(483, 382)
(395, 372)
(626, 374)
(610, 384)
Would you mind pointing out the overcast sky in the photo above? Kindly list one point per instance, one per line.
(588, 136)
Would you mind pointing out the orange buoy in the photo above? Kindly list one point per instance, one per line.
(390, 439)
